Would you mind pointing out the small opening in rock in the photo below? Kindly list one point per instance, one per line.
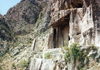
(76, 5)
(80, 5)
(54, 38)
(68, 38)
(98, 25)
(78, 33)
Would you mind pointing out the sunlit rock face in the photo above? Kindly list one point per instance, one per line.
(72, 21)
(75, 21)
(82, 26)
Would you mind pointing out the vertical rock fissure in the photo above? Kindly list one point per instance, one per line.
(54, 38)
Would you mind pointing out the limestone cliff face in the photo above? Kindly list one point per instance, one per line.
(76, 20)
(72, 21)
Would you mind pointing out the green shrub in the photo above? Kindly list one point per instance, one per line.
(1, 59)
(30, 40)
(66, 43)
(75, 53)
(24, 63)
(1, 68)
(41, 50)
(13, 65)
(47, 55)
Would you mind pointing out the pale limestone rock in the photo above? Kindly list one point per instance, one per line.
(79, 17)
(61, 64)
(33, 44)
(38, 63)
(35, 64)
(58, 68)
(15, 51)
(48, 65)
(72, 21)
(82, 26)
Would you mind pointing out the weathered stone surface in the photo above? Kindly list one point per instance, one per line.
(15, 51)
(60, 64)
(52, 63)
(58, 68)
(48, 65)
(81, 27)
(3, 47)
(74, 21)
(35, 64)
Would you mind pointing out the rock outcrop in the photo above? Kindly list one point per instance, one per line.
(53, 59)
(5, 32)
(72, 21)
(75, 22)
(23, 16)
(26, 21)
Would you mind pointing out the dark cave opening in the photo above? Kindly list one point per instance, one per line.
(54, 38)
(77, 5)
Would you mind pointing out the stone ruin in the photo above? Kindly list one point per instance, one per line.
(75, 21)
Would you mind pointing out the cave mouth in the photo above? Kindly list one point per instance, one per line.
(60, 35)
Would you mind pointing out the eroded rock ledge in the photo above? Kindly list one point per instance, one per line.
(53, 59)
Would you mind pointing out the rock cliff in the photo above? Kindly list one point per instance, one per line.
(25, 22)
(51, 35)
(72, 21)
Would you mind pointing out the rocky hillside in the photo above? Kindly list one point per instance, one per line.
(26, 36)
(5, 36)
(23, 23)
(23, 16)
(5, 32)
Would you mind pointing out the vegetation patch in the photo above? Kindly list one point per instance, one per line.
(1, 59)
(76, 54)
(47, 55)
(23, 63)
(1, 68)
(13, 65)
